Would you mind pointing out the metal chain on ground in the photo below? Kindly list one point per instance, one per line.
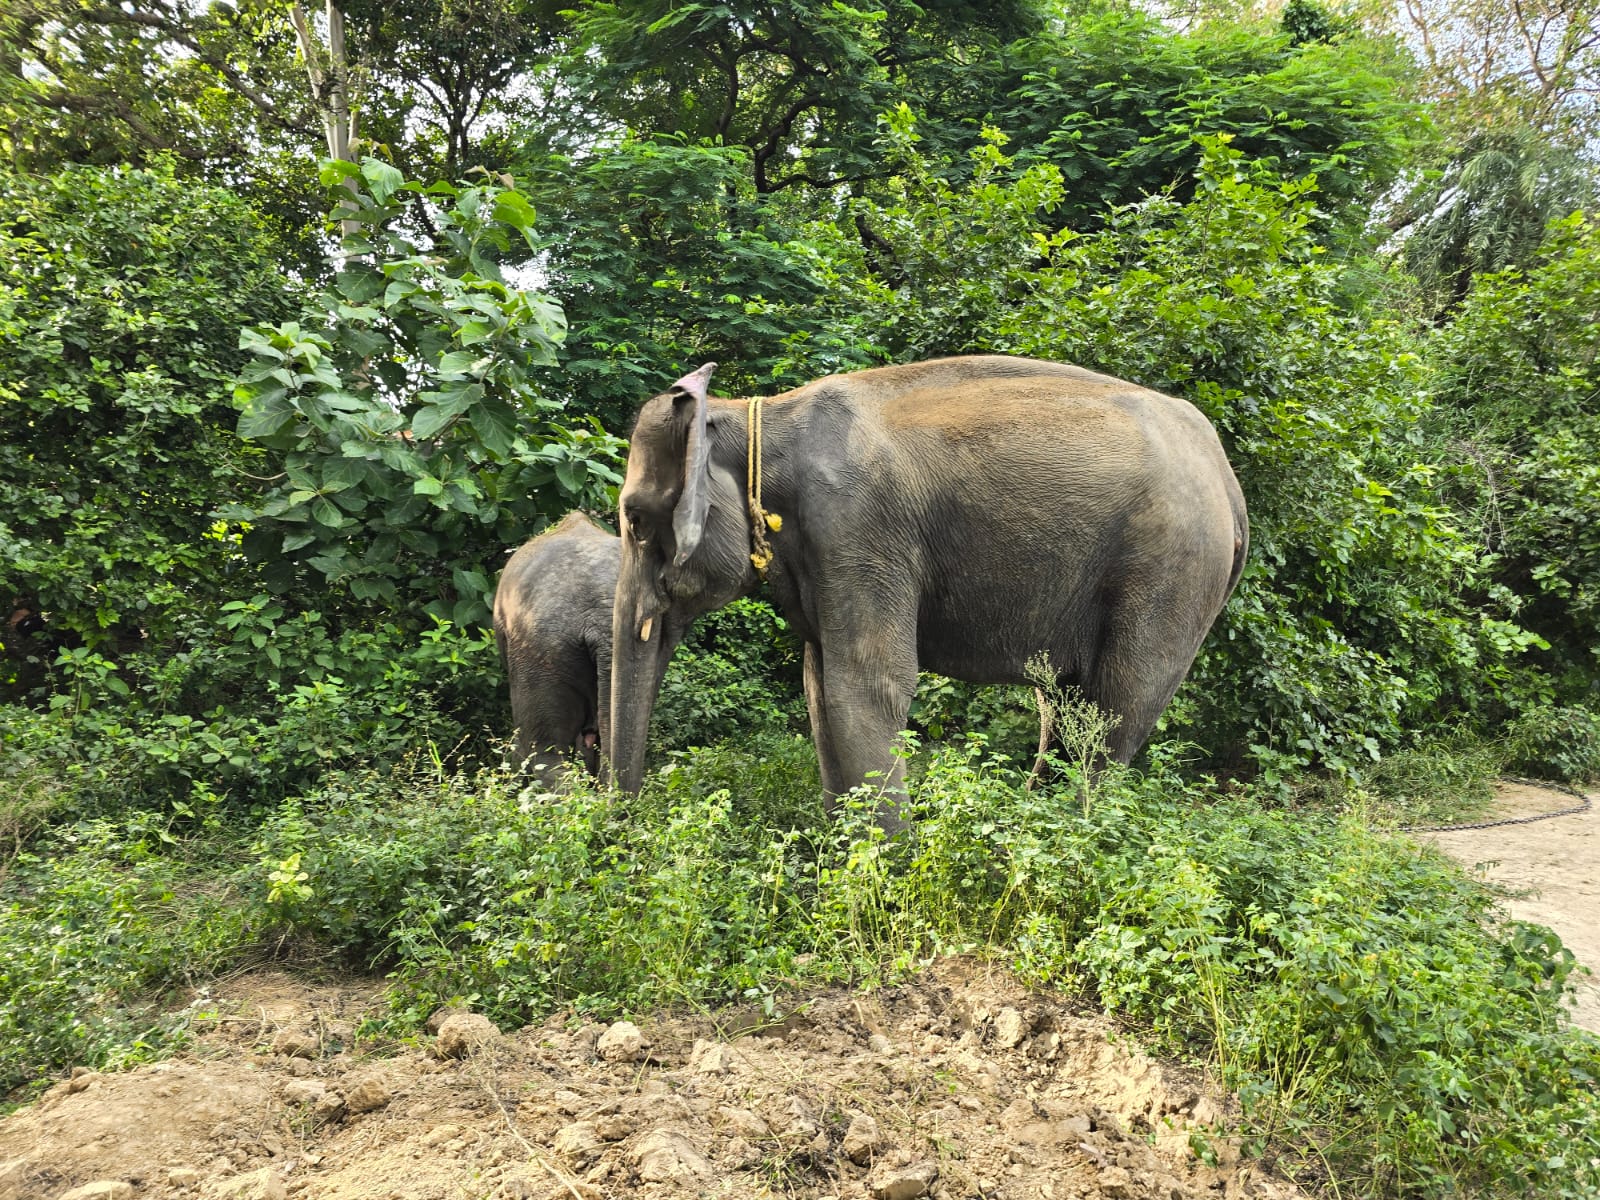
(1583, 807)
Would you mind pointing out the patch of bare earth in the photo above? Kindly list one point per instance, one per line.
(959, 1083)
(1551, 870)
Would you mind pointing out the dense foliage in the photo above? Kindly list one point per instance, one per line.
(414, 445)
(121, 297)
(303, 333)
(1378, 1019)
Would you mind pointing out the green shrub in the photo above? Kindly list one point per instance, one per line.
(410, 445)
(529, 900)
(94, 929)
(250, 713)
(1363, 995)
(1515, 376)
(1441, 781)
(949, 709)
(121, 297)
(773, 774)
(736, 675)
(1557, 743)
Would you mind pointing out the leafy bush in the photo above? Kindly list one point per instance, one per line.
(1114, 98)
(414, 446)
(950, 710)
(1516, 375)
(736, 675)
(1557, 743)
(245, 724)
(528, 900)
(1438, 785)
(121, 297)
(664, 258)
(1363, 995)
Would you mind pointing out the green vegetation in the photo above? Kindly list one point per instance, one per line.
(1379, 1019)
(270, 422)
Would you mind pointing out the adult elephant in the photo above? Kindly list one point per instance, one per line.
(552, 620)
(960, 516)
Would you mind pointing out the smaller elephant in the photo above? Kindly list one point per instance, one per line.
(552, 620)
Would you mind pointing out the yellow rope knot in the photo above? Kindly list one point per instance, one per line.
(760, 519)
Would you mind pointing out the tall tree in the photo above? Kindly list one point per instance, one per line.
(798, 85)
(1115, 99)
(1491, 204)
(258, 90)
(121, 82)
(1498, 63)
(1514, 87)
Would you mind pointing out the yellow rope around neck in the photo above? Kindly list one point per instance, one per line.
(760, 519)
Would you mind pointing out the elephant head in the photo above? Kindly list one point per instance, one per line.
(685, 552)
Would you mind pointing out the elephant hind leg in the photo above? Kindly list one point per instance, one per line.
(549, 723)
(1138, 672)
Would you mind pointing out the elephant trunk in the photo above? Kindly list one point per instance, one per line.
(640, 651)
(602, 768)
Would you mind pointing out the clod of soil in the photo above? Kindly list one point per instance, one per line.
(958, 1083)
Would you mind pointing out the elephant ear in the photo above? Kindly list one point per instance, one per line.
(689, 518)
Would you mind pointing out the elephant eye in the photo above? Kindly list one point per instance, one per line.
(635, 526)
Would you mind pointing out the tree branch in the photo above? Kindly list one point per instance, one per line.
(94, 106)
(111, 17)
(785, 124)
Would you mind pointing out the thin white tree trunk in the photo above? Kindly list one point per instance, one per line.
(329, 75)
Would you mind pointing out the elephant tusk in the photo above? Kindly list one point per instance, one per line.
(644, 630)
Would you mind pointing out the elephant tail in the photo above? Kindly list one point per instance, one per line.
(1241, 543)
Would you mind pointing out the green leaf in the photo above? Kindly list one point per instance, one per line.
(360, 283)
(339, 473)
(324, 512)
(335, 171)
(430, 421)
(512, 208)
(383, 179)
(267, 416)
(470, 582)
(459, 363)
(495, 423)
(571, 474)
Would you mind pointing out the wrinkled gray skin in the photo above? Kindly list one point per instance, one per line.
(958, 516)
(552, 619)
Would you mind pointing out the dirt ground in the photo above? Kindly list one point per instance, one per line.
(1551, 868)
(959, 1083)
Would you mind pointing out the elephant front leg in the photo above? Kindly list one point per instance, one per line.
(833, 785)
(867, 691)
